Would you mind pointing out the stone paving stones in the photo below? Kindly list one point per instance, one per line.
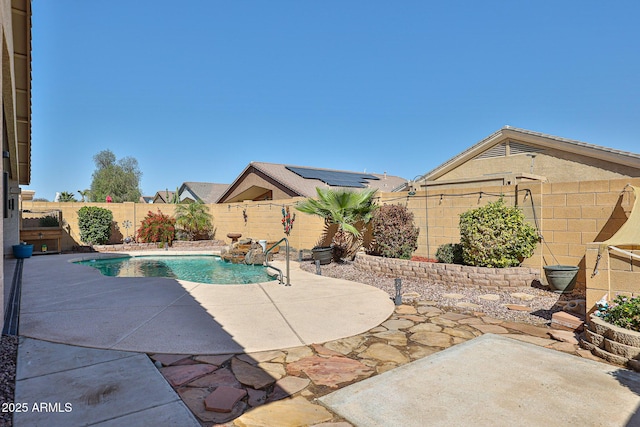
(384, 353)
(178, 375)
(297, 353)
(491, 329)
(217, 360)
(469, 305)
(279, 387)
(346, 345)
(289, 413)
(223, 399)
(288, 386)
(219, 377)
(490, 297)
(517, 307)
(393, 337)
(169, 359)
(398, 324)
(453, 296)
(329, 371)
(523, 296)
(250, 375)
(432, 339)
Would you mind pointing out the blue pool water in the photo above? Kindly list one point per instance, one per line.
(194, 268)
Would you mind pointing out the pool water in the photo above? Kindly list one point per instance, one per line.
(194, 268)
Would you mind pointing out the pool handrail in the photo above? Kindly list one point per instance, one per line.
(266, 260)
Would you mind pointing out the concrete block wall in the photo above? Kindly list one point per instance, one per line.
(451, 274)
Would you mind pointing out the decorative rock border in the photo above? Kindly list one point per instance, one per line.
(612, 343)
(506, 279)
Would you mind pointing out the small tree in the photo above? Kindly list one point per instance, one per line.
(118, 179)
(351, 211)
(157, 228)
(394, 233)
(496, 235)
(94, 224)
(194, 220)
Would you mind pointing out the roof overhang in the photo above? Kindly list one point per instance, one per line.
(17, 91)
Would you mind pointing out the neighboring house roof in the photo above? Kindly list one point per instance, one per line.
(303, 180)
(163, 196)
(146, 199)
(535, 139)
(206, 192)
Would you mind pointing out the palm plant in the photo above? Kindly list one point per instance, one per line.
(194, 219)
(351, 211)
(66, 196)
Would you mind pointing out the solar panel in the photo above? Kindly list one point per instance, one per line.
(334, 178)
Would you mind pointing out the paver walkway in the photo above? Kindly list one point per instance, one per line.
(280, 388)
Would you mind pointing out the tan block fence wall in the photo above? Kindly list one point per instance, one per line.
(569, 215)
(263, 220)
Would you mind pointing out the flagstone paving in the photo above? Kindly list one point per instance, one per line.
(280, 388)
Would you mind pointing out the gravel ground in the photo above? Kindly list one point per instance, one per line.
(543, 305)
(8, 353)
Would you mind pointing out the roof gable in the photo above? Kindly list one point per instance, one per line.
(522, 141)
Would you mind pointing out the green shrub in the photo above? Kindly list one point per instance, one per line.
(157, 228)
(394, 234)
(450, 253)
(496, 235)
(94, 224)
(623, 312)
(48, 221)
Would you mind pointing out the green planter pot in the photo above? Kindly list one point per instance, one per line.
(561, 278)
(22, 251)
(323, 254)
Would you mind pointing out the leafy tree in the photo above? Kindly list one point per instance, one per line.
(350, 211)
(66, 196)
(95, 224)
(194, 220)
(118, 179)
(157, 228)
(496, 235)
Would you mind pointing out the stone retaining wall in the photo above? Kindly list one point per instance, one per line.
(612, 343)
(450, 274)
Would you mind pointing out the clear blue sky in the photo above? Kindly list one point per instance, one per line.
(196, 90)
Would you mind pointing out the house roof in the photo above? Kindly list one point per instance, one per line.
(163, 196)
(207, 192)
(537, 139)
(293, 178)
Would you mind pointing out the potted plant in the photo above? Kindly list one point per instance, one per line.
(561, 278)
(324, 254)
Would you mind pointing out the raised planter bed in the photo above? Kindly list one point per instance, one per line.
(612, 343)
(510, 278)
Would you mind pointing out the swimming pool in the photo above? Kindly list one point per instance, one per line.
(194, 268)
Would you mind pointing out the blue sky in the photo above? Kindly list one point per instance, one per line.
(196, 90)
